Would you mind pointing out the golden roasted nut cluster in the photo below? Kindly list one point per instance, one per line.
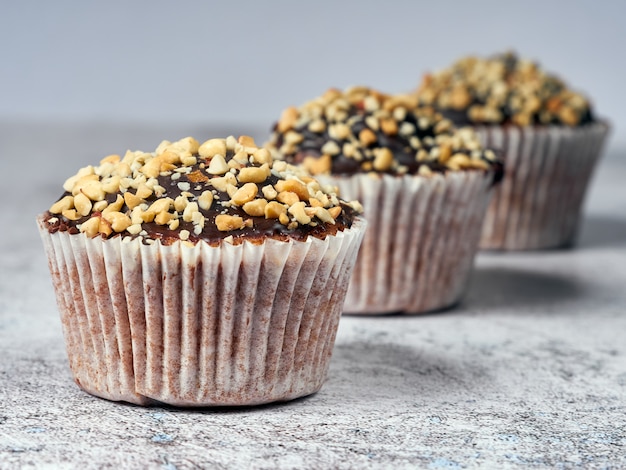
(363, 130)
(503, 89)
(184, 186)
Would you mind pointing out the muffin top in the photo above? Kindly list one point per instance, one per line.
(361, 130)
(224, 189)
(502, 90)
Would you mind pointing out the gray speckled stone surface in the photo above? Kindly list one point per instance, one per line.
(528, 372)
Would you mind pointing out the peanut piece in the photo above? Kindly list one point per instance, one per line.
(104, 226)
(65, 203)
(297, 210)
(445, 153)
(406, 128)
(100, 206)
(119, 222)
(218, 165)
(245, 194)
(162, 218)
(82, 204)
(169, 157)
(269, 192)
(226, 223)
(180, 203)
(383, 159)
(372, 122)
(293, 186)
(110, 159)
(75, 184)
(317, 166)
(231, 142)
(335, 212)
(287, 197)
(287, 119)
(293, 137)
(70, 214)
(254, 174)
(148, 216)
(91, 227)
(114, 206)
(255, 208)
(189, 211)
(189, 144)
(443, 126)
(131, 200)
(389, 126)
(212, 147)
(152, 168)
(479, 164)
(262, 156)
(324, 215)
(111, 185)
(161, 205)
(458, 161)
(143, 191)
(339, 131)
(314, 202)
(197, 177)
(69, 183)
(330, 148)
(241, 157)
(246, 141)
(424, 171)
(123, 170)
(205, 200)
(283, 219)
(318, 126)
(367, 137)
(134, 229)
(187, 160)
(231, 189)
(274, 209)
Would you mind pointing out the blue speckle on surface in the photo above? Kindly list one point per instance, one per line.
(508, 437)
(161, 438)
(35, 430)
(441, 462)
(157, 416)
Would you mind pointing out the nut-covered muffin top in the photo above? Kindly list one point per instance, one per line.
(502, 90)
(362, 130)
(224, 189)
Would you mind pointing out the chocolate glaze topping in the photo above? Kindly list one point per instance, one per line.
(503, 89)
(360, 130)
(223, 189)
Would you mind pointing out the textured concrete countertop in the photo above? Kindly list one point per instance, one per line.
(528, 372)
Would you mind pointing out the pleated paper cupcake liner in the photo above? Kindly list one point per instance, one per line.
(546, 174)
(200, 325)
(421, 239)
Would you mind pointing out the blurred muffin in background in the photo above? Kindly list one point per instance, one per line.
(547, 134)
(424, 187)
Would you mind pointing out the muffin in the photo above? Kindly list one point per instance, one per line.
(547, 134)
(424, 187)
(199, 275)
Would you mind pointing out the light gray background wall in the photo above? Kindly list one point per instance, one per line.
(243, 61)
